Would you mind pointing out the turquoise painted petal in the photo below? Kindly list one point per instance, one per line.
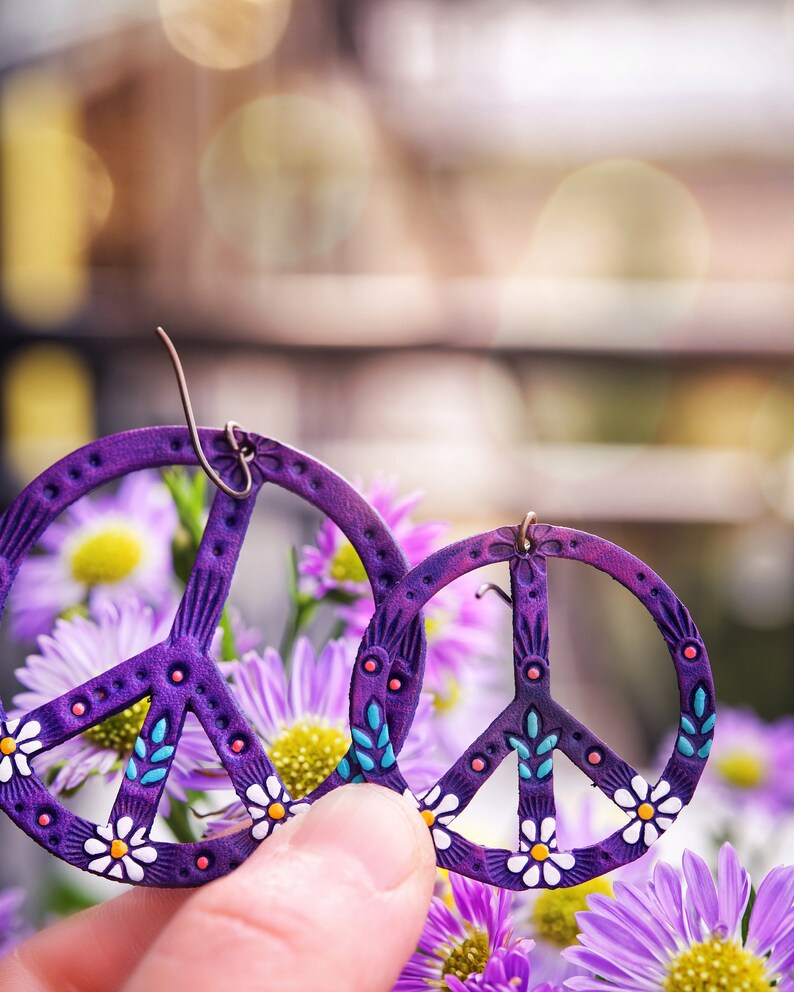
(384, 736)
(685, 747)
(132, 770)
(532, 724)
(361, 738)
(524, 771)
(708, 726)
(140, 748)
(365, 761)
(388, 758)
(545, 768)
(344, 768)
(704, 751)
(687, 725)
(700, 702)
(358, 778)
(163, 754)
(523, 750)
(153, 776)
(158, 731)
(547, 744)
(373, 716)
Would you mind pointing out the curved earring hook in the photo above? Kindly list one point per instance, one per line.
(243, 456)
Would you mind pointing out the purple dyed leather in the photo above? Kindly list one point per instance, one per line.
(178, 674)
(534, 724)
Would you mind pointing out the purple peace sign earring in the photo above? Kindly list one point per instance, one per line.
(533, 725)
(178, 674)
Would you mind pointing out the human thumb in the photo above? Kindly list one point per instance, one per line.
(335, 900)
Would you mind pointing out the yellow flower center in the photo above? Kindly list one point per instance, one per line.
(8, 745)
(539, 852)
(106, 556)
(448, 700)
(346, 566)
(741, 769)
(276, 811)
(428, 816)
(716, 965)
(118, 849)
(468, 958)
(118, 732)
(554, 912)
(646, 811)
(306, 753)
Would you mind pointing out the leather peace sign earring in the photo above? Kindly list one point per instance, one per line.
(534, 725)
(178, 674)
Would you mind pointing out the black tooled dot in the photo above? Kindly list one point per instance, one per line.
(474, 553)
(476, 867)
(18, 807)
(74, 473)
(213, 704)
(140, 675)
(231, 521)
(176, 444)
(409, 595)
(116, 684)
(427, 579)
(299, 468)
(314, 484)
(654, 592)
(369, 533)
(55, 840)
(640, 576)
(94, 460)
(574, 544)
(380, 555)
(221, 723)
(490, 749)
(50, 491)
(577, 736)
(200, 690)
(218, 550)
(233, 865)
(183, 873)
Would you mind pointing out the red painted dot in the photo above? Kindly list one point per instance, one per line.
(477, 764)
(395, 684)
(45, 820)
(594, 758)
(690, 652)
(78, 709)
(534, 673)
(202, 863)
(177, 675)
(237, 745)
(370, 665)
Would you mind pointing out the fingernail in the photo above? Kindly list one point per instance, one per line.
(371, 824)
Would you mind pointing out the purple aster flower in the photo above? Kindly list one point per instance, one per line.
(469, 945)
(13, 928)
(682, 933)
(103, 547)
(78, 650)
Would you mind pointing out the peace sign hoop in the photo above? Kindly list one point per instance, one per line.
(533, 725)
(178, 674)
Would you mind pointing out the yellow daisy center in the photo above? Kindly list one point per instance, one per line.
(539, 852)
(8, 745)
(468, 958)
(276, 811)
(645, 811)
(106, 556)
(741, 769)
(716, 965)
(554, 912)
(346, 566)
(306, 753)
(118, 849)
(428, 816)
(118, 733)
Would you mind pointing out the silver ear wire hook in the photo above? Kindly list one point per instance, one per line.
(523, 544)
(244, 456)
(493, 587)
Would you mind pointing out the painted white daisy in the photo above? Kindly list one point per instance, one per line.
(16, 743)
(120, 853)
(271, 805)
(542, 859)
(650, 815)
(438, 811)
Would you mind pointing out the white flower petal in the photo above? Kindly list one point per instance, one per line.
(298, 808)
(261, 830)
(446, 818)
(124, 826)
(671, 805)
(532, 877)
(640, 786)
(257, 795)
(138, 837)
(100, 864)
(564, 859)
(632, 832)
(441, 839)
(663, 822)
(432, 796)
(94, 846)
(661, 789)
(530, 830)
(255, 812)
(447, 804)
(11, 725)
(118, 872)
(625, 799)
(6, 769)
(30, 747)
(106, 832)
(407, 794)
(22, 764)
(273, 787)
(547, 828)
(517, 863)
(550, 873)
(30, 729)
(145, 854)
(651, 834)
(134, 871)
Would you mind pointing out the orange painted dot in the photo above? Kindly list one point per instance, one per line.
(594, 758)
(645, 812)
(276, 811)
(395, 684)
(533, 672)
(370, 665)
(8, 745)
(177, 675)
(429, 817)
(237, 745)
(202, 863)
(118, 849)
(477, 764)
(78, 709)
(690, 652)
(539, 852)
(45, 819)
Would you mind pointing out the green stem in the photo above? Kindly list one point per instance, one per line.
(178, 821)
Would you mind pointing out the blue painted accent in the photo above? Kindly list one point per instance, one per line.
(365, 761)
(687, 725)
(704, 751)
(547, 744)
(153, 776)
(532, 724)
(140, 748)
(132, 771)
(700, 702)
(523, 750)
(373, 716)
(388, 758)
(545, 768)
(158, 731)
(383, 740)
(524, 772)
(163, 754)
(685, 747)
(344, 768)
(708, 726)
(358, 778)
(361, 738)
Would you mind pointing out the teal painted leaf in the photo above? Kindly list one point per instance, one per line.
(384, 736)
(524, 772)
(523, 750)
(163, 754)
(344, 768)
(140, 748)
(155, 775)
(373, 716)
(358, 778)
(547, 744)
(388, 758)
(700, 702)
(532, 724)
(132, 770)
(545, 768)
(687, 725)
(365, 761)
(159, 730)
(708, 726)
(361, 738)
(704, 751)
(685, 747)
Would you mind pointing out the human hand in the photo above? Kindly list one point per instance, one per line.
(334, 901)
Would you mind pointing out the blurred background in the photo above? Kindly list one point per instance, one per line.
(515, 253)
